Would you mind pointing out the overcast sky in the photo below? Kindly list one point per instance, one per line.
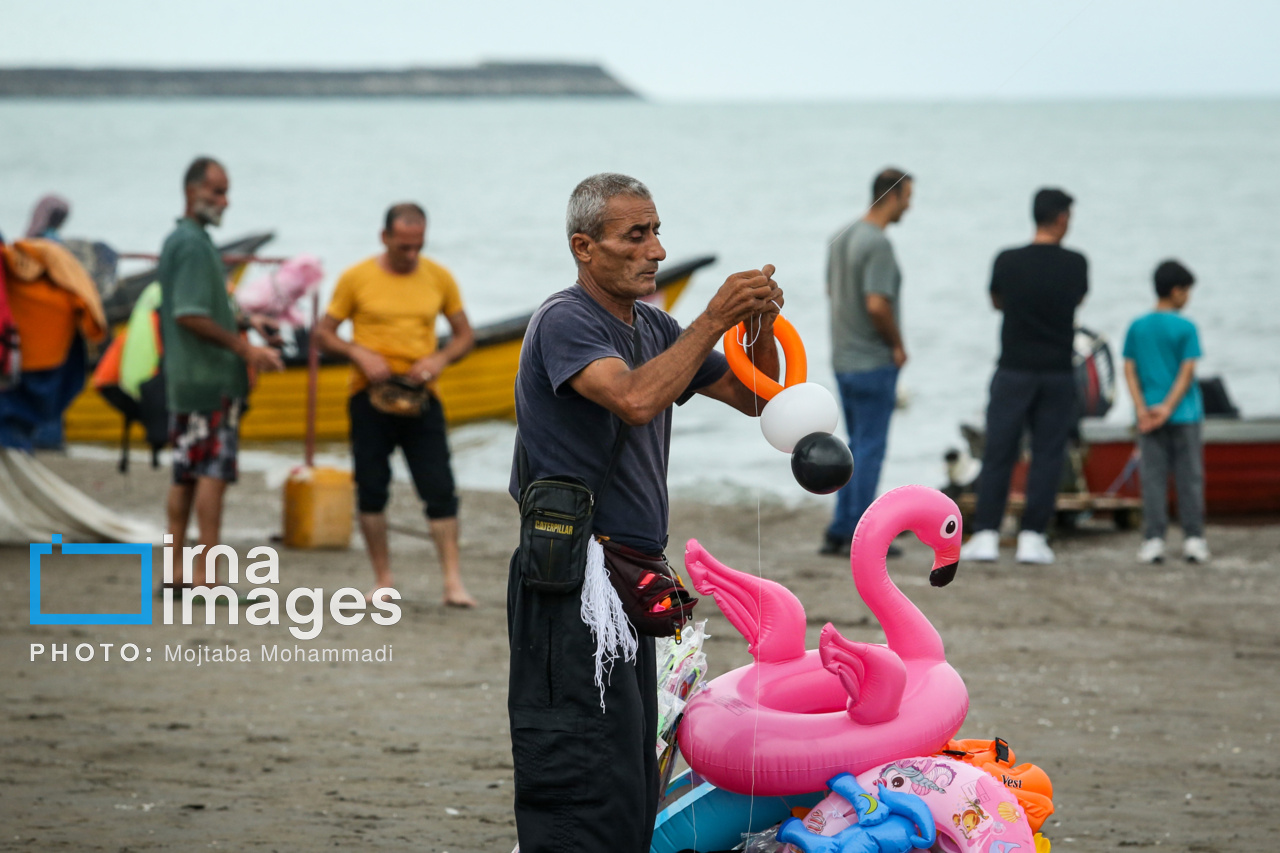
(744, 50)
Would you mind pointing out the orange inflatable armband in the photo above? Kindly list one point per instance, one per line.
(797, 365)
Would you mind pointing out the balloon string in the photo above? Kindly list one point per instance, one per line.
(755, 729)
(758, 322)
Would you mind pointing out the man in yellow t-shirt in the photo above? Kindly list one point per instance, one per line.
(392, 301)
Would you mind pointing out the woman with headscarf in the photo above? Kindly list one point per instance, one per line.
(50, 214)
(55, 307)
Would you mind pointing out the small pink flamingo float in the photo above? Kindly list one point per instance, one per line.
(793, 719)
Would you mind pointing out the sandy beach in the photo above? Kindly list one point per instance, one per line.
(1147, 693)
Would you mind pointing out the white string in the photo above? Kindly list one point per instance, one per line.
(758, 321)
(755, 727)
(602, 611)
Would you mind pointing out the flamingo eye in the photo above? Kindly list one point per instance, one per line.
(950, 526)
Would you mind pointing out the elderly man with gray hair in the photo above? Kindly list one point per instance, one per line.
(598, 364)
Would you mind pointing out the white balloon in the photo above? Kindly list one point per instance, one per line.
(799, 411)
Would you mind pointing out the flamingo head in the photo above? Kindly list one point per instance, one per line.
(935, 520)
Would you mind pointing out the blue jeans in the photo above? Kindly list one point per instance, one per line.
(868, 397)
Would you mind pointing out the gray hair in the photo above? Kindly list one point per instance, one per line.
(586, 206)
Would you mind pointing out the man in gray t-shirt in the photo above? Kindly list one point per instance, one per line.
(864, 285)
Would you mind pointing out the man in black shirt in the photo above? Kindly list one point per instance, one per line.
(1037, 287)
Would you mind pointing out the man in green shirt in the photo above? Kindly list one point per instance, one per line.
(205, 359)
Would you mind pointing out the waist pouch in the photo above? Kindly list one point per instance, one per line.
(653, 596)
(400, 396)
(555, 524)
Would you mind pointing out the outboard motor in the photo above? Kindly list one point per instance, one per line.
(1095, 372)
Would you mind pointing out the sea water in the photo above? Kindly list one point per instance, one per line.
(749, 183)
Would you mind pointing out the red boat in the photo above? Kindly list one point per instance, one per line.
(1241, 464)
(1241, 455)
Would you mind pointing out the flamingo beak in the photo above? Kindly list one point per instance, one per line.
(944, 567)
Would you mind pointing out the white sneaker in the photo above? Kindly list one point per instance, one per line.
(1032, 548)
(1152, 551)
(1195, 550)
(982, 547)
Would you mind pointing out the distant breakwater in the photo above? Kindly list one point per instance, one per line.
(489, 79)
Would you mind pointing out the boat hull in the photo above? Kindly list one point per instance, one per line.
(1241, 464)
(479, 387)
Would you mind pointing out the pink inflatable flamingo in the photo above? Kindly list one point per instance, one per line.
(793, 719)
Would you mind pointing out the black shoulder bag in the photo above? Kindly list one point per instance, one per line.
(555, 524)
(556, 515)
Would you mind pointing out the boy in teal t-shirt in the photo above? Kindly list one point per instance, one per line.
(1160, 352)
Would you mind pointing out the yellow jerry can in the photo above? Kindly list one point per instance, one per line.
(318, 505)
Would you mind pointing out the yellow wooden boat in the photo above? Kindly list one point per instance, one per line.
(480, 386)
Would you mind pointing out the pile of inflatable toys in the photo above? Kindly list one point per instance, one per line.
(849, 747)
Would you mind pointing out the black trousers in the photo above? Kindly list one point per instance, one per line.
(374, 437)
(585, 779)
(1044, 402)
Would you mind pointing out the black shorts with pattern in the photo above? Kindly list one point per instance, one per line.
(205, 444)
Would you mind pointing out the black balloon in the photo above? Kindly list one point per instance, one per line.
(821, 463)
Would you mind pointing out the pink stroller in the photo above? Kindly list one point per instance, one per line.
(277, 295)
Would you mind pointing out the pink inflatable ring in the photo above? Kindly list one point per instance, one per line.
(794, 719)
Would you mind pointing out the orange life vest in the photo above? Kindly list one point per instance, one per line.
(1027, 782)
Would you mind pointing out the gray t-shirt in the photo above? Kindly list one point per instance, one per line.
(564, 433)
(860, 262)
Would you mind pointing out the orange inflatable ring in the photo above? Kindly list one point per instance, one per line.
(797, 366)
(1028, 782)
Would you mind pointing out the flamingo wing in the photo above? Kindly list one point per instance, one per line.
(766, 613)
(873, 676)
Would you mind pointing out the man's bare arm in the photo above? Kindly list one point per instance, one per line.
(463, 340)
(1161, 412)
(880, 310)
(259, 358)
(1140, 411)
(371, 364)
(637, 396)
(460, 343)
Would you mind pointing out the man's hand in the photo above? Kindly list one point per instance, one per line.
(267, 327)
(371, 364)
(428, 367)
(1157, 416)
(261, 359)
(745, 294)
(899, 356)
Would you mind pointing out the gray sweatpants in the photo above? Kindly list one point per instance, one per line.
(1176, 449)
